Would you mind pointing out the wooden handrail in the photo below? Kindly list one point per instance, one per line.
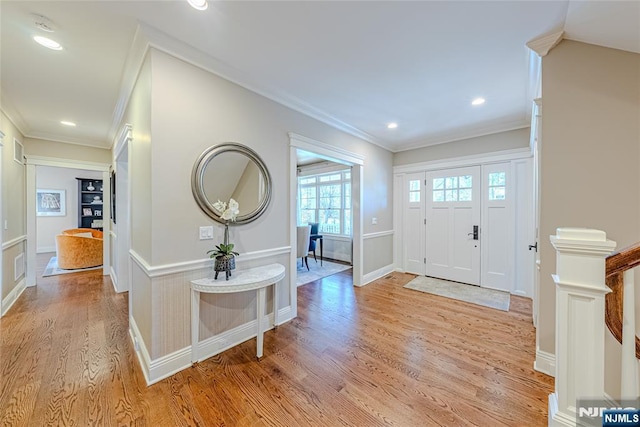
(615, 267)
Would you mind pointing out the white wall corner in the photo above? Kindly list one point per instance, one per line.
(545, 362)
(13, 296)
(376, 274)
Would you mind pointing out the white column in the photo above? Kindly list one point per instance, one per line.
(580, 326)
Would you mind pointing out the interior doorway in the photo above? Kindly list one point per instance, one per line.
(33, 163)
(338, 155)
(324, 203)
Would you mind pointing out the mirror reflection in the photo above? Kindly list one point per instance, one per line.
(234, 175)
(229, 171)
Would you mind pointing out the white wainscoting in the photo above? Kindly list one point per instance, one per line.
(10, 243)
(225, 319)
(375, 275)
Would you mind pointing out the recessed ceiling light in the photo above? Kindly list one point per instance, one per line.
(67, 123)
(51, 44)
(478, 101)
(392, 125)
(199, 4)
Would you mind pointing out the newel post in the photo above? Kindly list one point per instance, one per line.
(580, 325)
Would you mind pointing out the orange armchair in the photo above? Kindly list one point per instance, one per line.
(79, 248)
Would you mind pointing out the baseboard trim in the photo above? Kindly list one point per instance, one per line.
(228, 339)
(556, 417)
(140, 348)
(158, 369)
(13, 296)
(114, 279)
(545, 362)
(376, 274)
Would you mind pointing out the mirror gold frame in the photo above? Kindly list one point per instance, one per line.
(199, 184)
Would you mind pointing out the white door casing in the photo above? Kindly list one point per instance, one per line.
(413, 220)
(453, 214)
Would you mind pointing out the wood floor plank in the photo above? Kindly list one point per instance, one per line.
(371, 356)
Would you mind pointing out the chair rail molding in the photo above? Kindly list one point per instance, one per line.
(9, 243)
(182, 267)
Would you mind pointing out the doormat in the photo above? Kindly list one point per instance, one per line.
(462, 292)
(53, 270)
(316, 271)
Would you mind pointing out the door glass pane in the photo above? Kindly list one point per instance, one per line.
(451, 195)
(438, 196)
(414, 197)
(451, 182)
(497, 178)
(414, 185)
(465, 195)
(438, 184)
(466, 181)
(497, 193)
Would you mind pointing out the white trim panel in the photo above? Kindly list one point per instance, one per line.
(9, 243)
(472, 160)
(377, 234)
(181, 267)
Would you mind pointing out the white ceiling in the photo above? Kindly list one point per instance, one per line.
(356, 65)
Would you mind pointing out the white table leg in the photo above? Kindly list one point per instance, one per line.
(260, 314)
(195, 324)
(275, 305)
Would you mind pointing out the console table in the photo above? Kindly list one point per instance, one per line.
(257, 278)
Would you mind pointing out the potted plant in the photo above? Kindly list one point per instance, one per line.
(223, 254)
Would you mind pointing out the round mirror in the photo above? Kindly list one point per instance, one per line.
(231, 171)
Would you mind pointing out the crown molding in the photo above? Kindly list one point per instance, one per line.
(13, 115)
(464, 134)
(542, 45)
(161, 41)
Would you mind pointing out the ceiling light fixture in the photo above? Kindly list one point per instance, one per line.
(392, 125)
(67, 123)
(51, 44)
(478, 101)
(199, 4)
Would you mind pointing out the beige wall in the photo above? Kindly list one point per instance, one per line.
(199, 110)
(509, 140)
(590, 153)
(13, 204)
(44, 148)
(138, 114)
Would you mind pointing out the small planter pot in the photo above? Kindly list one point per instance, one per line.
(224, 263)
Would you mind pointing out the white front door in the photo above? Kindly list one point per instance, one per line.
(453, 224)
(413, 222)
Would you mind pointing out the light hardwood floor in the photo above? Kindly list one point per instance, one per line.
(377, 355)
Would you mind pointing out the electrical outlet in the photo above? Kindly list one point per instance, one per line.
(206, 233)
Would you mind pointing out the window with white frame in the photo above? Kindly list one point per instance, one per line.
(326, 199)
